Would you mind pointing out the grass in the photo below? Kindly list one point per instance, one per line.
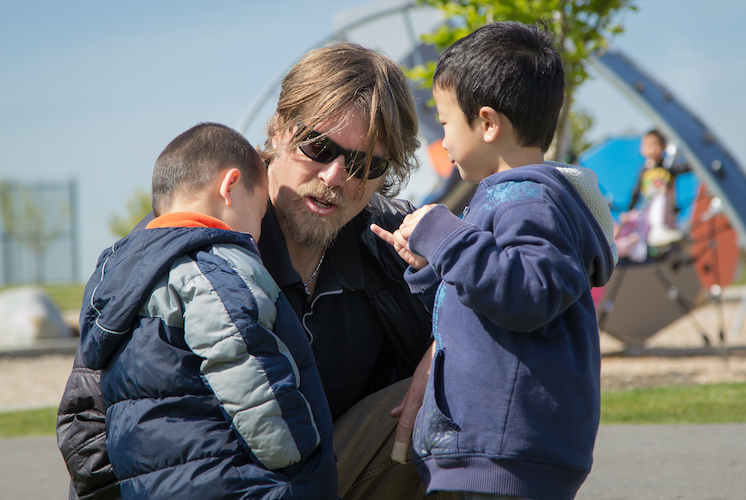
(40, 422)
(67, 297)
(702, 404)
(28, 423)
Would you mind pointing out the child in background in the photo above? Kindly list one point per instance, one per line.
(513, 399)
(654, 195)
(209, 380)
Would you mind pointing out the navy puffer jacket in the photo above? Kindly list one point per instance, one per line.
(208, 379)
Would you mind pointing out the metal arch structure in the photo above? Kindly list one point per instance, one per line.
(339, 35)
(708, 158)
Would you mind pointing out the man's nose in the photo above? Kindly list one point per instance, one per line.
(334, 173)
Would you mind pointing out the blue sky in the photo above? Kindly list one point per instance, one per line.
(93, 90)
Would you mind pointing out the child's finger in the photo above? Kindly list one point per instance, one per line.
(400, 240)
(383, 234)
(411, 220)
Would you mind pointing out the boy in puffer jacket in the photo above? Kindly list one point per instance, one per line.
(513, 399)
(209, 381)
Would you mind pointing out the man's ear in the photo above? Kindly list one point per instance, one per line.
(279, 137)
(228, 182)
(489, 122)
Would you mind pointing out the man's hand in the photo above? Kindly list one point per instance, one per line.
(407, 410)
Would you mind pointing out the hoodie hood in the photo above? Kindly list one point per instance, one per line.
(597, 240)
(585, 182)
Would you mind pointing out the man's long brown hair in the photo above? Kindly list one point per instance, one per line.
(339, 79)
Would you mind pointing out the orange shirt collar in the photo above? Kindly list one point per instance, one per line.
(187, 219)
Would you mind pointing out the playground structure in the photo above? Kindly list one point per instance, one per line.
(641, 298)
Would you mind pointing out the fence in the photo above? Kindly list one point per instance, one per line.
(38, 232)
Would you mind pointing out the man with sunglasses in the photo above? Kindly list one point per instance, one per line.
(340, 144)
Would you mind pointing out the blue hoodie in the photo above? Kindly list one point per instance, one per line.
(513, 401)
(209, 380)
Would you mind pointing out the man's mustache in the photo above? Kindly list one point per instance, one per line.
(316, 189)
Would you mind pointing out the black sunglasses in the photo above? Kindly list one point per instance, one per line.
(324, 150)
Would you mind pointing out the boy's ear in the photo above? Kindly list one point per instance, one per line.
(228, 182)
(489, 121)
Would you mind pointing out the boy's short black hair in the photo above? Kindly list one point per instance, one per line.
(190, 162)
(512, 68)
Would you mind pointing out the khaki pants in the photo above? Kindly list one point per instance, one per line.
(363, 439)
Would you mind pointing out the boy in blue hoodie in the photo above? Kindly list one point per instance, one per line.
(210, 384)
(513, 399)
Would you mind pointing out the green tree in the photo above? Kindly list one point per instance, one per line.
(138, 206)
(580, 122)
(581, 28)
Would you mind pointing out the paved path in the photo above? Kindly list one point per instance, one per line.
(666, 462)
(31, 468)
(641, 462)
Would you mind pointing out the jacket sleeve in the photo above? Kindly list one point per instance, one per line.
(228, 317)
(81, 436)
(423, 283)
(527, 266)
